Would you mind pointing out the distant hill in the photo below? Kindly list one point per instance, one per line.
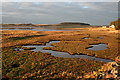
(116, 23)
(70, 25)
(52, 26)
(25, 25)
(75, 23)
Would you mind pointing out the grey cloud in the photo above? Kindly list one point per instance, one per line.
(97, 13)
(60, 0)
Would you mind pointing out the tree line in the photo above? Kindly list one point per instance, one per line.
(116, 24)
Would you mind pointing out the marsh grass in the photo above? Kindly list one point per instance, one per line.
(37, 65)
(29, 64)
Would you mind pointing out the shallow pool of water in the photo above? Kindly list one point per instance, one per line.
(18, 49)
(85, 38)
(100, 37)
(100, 46)
(63, 54)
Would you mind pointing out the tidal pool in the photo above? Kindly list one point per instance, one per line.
(18, 49)
(100, 37)
(100, 46)
(62, 54)
(85, 38)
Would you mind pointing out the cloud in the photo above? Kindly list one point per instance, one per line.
(60, 0)
(96, 13)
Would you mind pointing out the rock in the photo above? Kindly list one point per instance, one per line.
(118, 71)
(114, 71)
(117, 59)
(94, 72)
(109, 76)
(100, 76)
(114, 64)
(79, 77)
(93, 77)
(110, 70)
(100, 70)
(87, 76)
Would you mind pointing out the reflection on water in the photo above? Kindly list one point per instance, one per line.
(63, 54)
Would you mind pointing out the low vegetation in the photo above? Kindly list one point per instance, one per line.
(116, 23)
(37, 65)
(31, 65)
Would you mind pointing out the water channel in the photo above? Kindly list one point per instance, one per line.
(62, 54)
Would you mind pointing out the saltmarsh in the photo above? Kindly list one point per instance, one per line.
(29, 64)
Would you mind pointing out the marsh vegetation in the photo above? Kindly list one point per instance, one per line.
(33, 65)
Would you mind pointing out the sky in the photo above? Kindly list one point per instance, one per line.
(60, 0)
(94, 13)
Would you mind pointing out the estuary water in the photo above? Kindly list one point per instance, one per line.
(62, 54)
